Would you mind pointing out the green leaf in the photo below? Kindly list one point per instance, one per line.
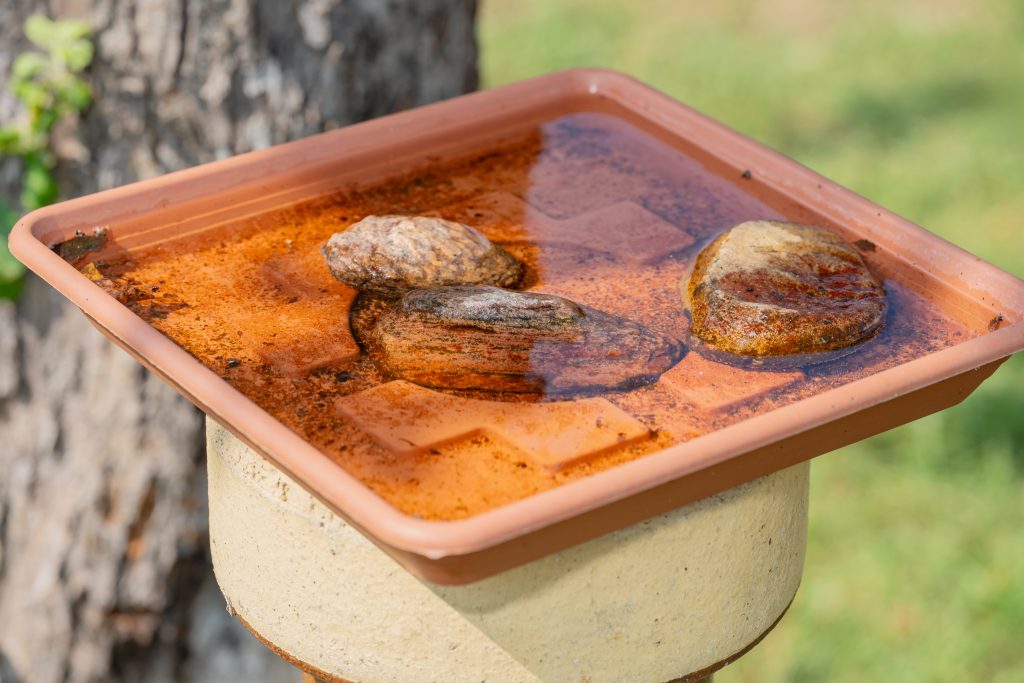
(11, 270)
(77, 54)
(32, 94)
(8, 217)
(76, 94)
(45, 119)
(71, 30)
(48, 87)
(28, 65)
(12, 290)
(39, 187)
(10, 139)
(41, 31)
(54, 36)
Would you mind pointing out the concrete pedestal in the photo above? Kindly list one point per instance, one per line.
(672, 598)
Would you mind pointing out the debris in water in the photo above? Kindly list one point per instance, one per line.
(74, 249)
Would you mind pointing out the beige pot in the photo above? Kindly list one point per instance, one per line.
(680, 593)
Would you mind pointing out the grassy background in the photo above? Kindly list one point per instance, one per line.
(915, 568)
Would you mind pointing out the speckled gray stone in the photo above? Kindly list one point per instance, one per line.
(396, 253)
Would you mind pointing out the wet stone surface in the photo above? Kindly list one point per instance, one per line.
(490, 339)
(391, 254)
(768, 288)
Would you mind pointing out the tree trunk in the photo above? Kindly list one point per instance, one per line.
(104, 569)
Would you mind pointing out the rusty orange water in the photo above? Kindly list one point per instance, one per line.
(600, 212)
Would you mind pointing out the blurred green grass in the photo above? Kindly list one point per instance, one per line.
(915, 567)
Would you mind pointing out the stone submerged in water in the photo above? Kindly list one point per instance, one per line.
(391, 254)
(771, 288)
(495, 340)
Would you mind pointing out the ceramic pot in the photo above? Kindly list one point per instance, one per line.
(679, 594)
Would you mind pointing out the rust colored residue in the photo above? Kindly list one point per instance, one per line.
(597, 211)
(716, 386)
(409, 420)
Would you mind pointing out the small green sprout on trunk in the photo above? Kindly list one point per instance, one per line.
(50, 87)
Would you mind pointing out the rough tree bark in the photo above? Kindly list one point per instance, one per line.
(103, 563)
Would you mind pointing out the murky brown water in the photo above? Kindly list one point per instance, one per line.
(601, 213)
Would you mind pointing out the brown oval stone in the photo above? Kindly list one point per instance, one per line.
(769, 288)
(397, 253)
(496, 340)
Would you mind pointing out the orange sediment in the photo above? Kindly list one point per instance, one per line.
(599, 212)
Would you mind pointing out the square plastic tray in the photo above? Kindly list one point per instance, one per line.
(986, 304)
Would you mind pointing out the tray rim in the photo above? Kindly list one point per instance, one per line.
(435, 540)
